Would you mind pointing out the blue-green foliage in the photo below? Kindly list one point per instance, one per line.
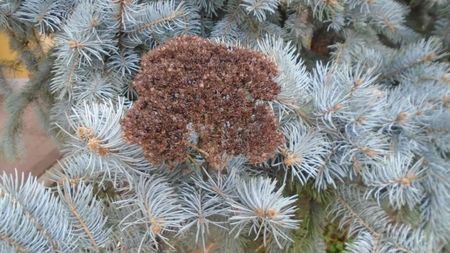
(364, 107)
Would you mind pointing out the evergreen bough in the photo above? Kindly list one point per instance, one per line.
(358, 136)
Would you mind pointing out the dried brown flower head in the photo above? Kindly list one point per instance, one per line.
(214, 89)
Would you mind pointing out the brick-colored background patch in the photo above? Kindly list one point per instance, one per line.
(39, 150)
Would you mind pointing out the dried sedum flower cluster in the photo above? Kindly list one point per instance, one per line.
(192, 86)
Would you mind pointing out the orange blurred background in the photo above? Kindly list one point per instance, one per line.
(6, 54)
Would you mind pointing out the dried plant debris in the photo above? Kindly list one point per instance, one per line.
(191, 85)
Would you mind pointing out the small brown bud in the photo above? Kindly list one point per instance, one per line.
(331, 2)
(74, 44)
(361, 120)
(85, 133)
(155, 225)
(290, 158)
(429, 57)
(401, 118)
(357, 166)
(271, 213)
(95, 146)
(446, 101)
(259, 212)
(368, 151)
(407, 181)
(446, 78)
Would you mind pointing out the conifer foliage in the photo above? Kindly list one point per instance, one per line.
(231, 125)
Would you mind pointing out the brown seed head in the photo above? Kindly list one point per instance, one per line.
(214, 88)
